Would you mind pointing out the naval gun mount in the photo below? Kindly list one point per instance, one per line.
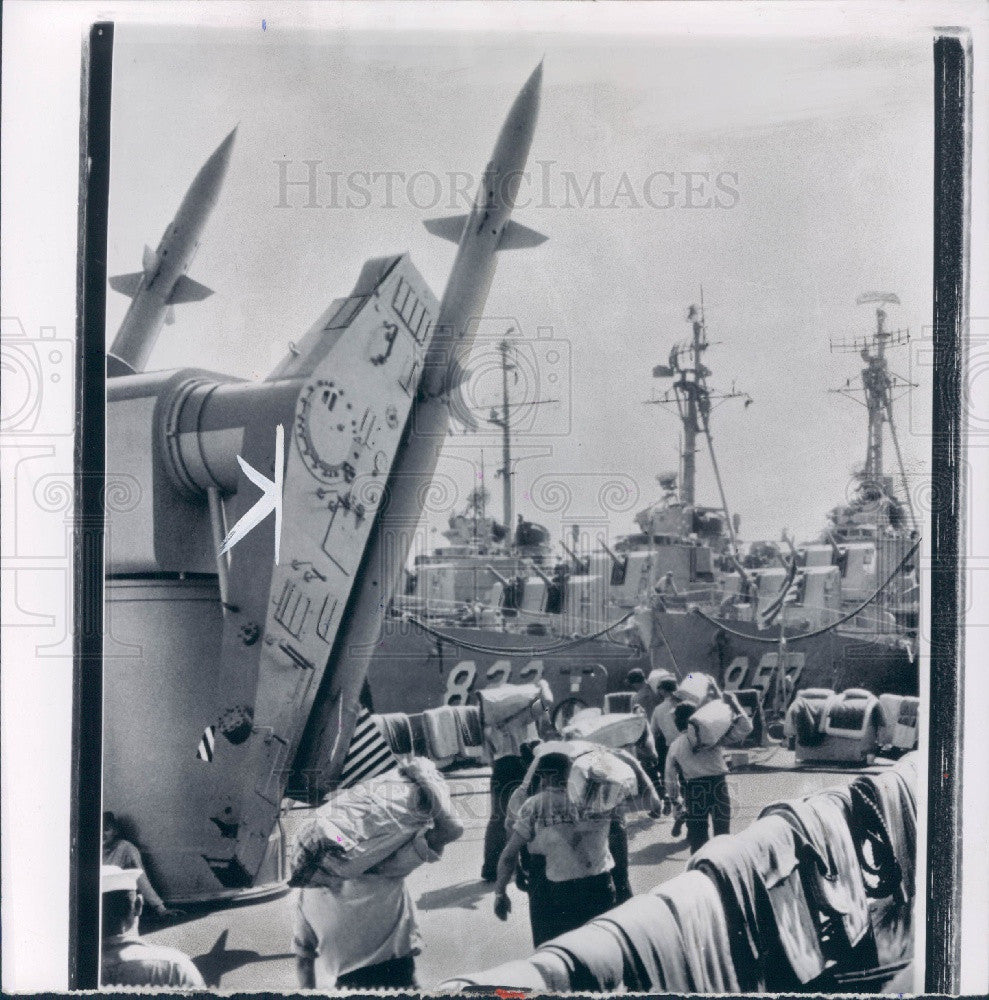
(228, 680)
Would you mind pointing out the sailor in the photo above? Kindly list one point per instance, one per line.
(361, 933)
(644, 701)
(647, 798)
(647, 757)
(664, 729)
(663, 593)
(706, 799)
(577, 885)
(644, 695)
(534, 867)
(126, 959)
(505, 744)
(122, 853)
(528, 867)
(721, 649)
(749, 588)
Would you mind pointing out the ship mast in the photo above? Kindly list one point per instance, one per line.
(506, 438)
(879, 384)
(484, 491)
(690, 398)
(693, 399)
(502, 420)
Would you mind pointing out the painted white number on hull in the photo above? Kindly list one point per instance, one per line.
(532, 672)
(459, 682)
(736, 676)
(498, 673)
(461, 679)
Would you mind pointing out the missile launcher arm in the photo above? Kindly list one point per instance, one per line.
(246, 684)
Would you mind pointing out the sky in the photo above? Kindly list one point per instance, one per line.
(782, 177)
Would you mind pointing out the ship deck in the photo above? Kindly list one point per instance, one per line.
(247, 946)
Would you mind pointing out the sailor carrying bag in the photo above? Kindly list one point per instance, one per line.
(360, 827)
(613, 729)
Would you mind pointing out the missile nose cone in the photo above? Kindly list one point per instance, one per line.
(216, 165)
(535, 82)
(223, 150)
(212, 172)
(522, 116)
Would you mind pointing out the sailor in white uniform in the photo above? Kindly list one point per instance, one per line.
(127, 959)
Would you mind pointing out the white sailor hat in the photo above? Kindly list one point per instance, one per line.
(116, 879)
(656, 677)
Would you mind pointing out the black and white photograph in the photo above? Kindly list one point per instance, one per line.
(517, 494)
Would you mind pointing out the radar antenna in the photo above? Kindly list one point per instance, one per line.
(694, 400)
(880, 388)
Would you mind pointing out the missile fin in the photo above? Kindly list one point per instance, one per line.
(515, 236)
(127, 284)
(450, 227)
(115, 367)
(187, 290)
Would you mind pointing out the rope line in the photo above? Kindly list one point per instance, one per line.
(827, 628)
(666, 642)
(526, 650)
(405, 608)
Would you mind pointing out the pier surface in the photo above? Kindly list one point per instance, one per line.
(248, 946)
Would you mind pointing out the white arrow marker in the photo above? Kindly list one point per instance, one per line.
(270, 500)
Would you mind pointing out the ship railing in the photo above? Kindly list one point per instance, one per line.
(862, 622)
(567, 622)
(822, 617)
(572, 618)
(438, 607)
(689, 593)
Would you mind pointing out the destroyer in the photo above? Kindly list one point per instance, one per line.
(837, 611)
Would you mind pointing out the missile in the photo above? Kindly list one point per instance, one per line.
(163, 283)
(488, 229)
(480, 236)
